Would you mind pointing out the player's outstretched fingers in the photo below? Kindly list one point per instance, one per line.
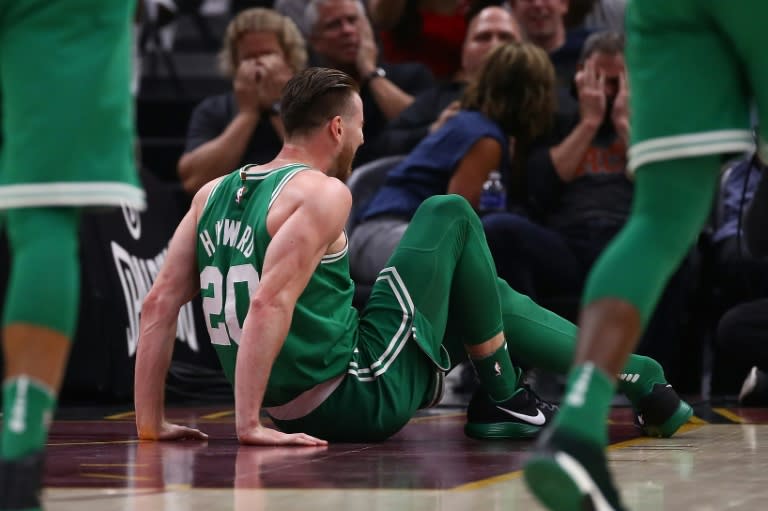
(177, 432)
(304, 439)
(261, 435)
(194, 434)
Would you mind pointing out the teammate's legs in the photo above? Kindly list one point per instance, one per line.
(672, 202)
(677, 176)
(64, 70)
(38, 324)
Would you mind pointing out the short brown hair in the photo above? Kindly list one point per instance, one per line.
(607, 42)
(314, 96)
(260, 19)
(515, 88)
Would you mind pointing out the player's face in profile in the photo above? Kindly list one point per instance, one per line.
(352, 138)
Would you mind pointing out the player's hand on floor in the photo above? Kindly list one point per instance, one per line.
(268, 436)
(170, 431)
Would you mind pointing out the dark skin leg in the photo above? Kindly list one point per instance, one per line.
(38, 352)
(609, 329)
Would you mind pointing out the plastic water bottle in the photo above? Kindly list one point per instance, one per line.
(494, 195)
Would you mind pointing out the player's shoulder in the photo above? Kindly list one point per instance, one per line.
(324, 187)
(202, 195)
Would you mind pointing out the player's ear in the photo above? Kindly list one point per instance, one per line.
(337, 127)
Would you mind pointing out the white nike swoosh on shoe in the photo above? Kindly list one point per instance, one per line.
(536, 420)
(581, 478)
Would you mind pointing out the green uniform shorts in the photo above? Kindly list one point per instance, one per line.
(393, 374)
(694, 68)
(67, 113)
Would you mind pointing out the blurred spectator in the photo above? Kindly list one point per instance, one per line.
(543, 22)
(341, 38)
(427, 31)
(512, 96)
(736, 194)
(577, 186)
(579, 193)
(743, 332)
(577, 12)
(606, 15)
(741, 280)
(294, 9)
(433, 107)
(262, 50)
(155, 13)
(596, 15)
(738, 276)
(756, 221)
(237, 6)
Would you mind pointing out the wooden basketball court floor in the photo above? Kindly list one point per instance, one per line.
(717, 461)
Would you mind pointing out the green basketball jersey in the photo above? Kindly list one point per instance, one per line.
(231, 245)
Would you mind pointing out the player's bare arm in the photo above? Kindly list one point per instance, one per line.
(176, 284)
(307, 218)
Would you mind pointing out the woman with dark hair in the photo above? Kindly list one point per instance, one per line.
(509, 103)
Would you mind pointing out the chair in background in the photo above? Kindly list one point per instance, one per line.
(364, 182)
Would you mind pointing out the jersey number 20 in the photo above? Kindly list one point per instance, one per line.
(228, 331)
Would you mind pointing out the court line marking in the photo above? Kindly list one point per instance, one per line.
(217, 415)
(118, 416)
(632, 442)
(697, 420)
(428, 418)
(114, 464)
(730, 415)
(105, 442)
(52, 494)
(116, 476)
(177, 487)
(128, 415)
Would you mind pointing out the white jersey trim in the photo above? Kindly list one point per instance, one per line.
(72, 194)
(403, 333)
(686, 146)
(282, 184)
(337, 256)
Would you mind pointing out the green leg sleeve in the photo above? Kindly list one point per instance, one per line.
(43, 290)
(446, 266)
(672, 202)
(44, 282)
(542, 339)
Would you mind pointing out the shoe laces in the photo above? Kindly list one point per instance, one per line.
(538, 401)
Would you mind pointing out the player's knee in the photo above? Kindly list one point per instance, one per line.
(53, 231)
(451, 206)
(44, 247)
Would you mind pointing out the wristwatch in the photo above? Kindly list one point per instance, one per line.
(274, 109)
(376, 73)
